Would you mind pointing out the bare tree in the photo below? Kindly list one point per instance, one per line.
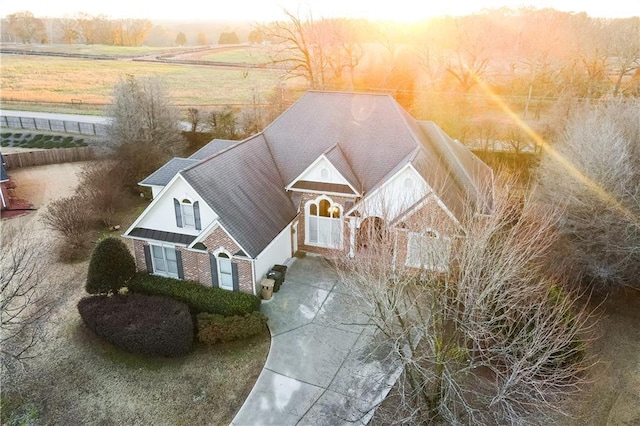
(144, 130)
(25, 293)
(27, 27)
(593, 174)
(482, 335)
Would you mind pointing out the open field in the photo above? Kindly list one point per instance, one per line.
(250, 55)
(39, 79)
(92, 49)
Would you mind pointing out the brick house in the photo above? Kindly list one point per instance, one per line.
(331, 166)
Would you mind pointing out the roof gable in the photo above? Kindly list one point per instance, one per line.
(243, 186)
(323, 176)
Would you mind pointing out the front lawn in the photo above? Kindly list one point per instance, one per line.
(83, 380)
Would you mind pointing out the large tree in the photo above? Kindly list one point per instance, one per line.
(593, 173)
(144, 130)
(27, 27)
(489, 340)
(25, 296)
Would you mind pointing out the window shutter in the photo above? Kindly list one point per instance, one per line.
(234, 275)
(176, 205)
(179, 264)
(196, 215)
(214, 270)
(147, 258)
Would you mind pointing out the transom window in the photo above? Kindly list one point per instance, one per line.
(225, 271)
(324, 223)
(165, 261)
(188, 217)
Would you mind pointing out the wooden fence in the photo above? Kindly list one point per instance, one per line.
(47, 156)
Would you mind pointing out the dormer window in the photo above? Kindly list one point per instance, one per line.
(187, 213)
(188, 217)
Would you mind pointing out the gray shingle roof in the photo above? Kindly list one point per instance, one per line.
(243, 186)
(371, 133)
(365, 136)
(155, 234)
(211, 148)
(164, 174)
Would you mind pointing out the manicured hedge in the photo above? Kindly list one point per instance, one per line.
(198, 297)
(149, 325)
(216, 328)
(110, 267)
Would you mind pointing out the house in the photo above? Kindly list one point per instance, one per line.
(331, 166)
(4, 186)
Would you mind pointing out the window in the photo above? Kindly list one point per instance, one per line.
(324, 173)
(165, 261)
(324, 223)
(188, 217)
(225, 271)
(187, 213)
(427, 250)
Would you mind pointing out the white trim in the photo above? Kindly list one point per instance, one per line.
(164, 257)
(334, 170)
(315, 191)
(161, 195)
(229, 257)
(157, 242)
(384, 184)
(340, 220)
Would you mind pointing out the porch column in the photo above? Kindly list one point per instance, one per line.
(352, 237)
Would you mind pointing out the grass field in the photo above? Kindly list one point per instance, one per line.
(93, 49)
(251, 55)
(47, 80)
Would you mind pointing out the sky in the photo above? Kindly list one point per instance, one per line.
(268, 10)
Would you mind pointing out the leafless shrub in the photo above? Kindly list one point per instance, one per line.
(71, 218)
(491, 340)
(102, 188)
(25, 297)
(595, 178)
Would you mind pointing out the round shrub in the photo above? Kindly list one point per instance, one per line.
(110, 267)
(148, 325)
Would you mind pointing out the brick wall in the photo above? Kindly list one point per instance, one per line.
(196, 265)
(138, 254)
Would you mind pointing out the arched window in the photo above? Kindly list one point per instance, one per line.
(408, 183)
(324, 173)
(225, 271)
(324, 223)
(187, 212)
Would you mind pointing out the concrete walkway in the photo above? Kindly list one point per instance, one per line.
(323, 367)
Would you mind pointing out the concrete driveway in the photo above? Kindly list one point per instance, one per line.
(323, 367)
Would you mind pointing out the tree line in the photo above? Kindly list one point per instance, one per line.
(25, 27)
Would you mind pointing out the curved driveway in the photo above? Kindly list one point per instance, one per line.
(322, 367)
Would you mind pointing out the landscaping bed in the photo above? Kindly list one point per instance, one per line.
(40, 140)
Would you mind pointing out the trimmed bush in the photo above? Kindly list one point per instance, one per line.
(110, 267)
(198, 297)
(149, 325)
(216, 328)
